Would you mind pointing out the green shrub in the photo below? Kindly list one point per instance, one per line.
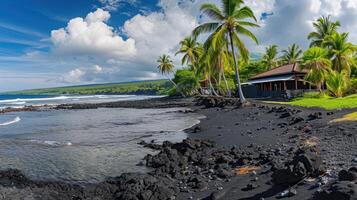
(338, 83)
(187, 82)
(315, 95)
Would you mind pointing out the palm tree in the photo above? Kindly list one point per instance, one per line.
(219, 60)
(229, 22)
(324, 27)
(166, 66)
(316, 61)
(341, 52)
(292, 54)
(192, 51)
(338, 83)
(270, 56)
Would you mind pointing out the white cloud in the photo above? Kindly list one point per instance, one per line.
(91, 37)
(113, 5)
(74, 76)
(97, 68)
(292, 20)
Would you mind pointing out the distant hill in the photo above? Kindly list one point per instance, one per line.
(156, 87)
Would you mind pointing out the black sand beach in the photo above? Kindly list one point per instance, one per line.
(255, 152)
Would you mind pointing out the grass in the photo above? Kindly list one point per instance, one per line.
(348, 117)
(323, 101)
(156, 87)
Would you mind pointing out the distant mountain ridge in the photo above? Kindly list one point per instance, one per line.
(149, 87)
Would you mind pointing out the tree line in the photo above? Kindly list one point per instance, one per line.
(222, 60)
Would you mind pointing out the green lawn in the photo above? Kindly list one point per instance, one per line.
(323, 102)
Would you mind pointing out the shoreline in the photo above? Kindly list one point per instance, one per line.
(242, 137)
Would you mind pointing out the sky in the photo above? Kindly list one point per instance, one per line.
(58, 43)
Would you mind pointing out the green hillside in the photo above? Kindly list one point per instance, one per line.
(156, 87)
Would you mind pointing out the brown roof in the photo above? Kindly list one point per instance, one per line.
(284, 69)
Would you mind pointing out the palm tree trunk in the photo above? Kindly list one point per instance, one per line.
(239, 87)
(212, 88)
(226, 83)
(176, 86)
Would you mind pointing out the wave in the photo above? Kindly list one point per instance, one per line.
(25, 100)
(51, 143)
(17, 119)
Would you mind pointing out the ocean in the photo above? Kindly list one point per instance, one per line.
(83, 145)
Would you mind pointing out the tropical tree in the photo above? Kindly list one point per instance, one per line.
(192, 51)
(187, 82)
(229, 23)
(316, 61)
(292, 55)
(219, 60)
(324, 27)
(166, 66)
(270, 57)
(338, 83)
(341, 52)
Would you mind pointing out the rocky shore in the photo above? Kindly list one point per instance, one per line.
(237, 153)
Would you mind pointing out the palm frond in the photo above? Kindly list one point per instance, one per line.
(205, 28)
(246, 32)
(212, 11)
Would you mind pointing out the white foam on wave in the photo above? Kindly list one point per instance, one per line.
(17, 119)
(51, 143)
(14, 101)
(20, 101)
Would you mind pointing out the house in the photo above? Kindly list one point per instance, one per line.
(285, 80)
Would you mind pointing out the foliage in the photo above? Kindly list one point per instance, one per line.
(165, 64)
(248, 70)
(316, 61)
(341, 52)
(315, 95)
(324, 27)
(292, 54)
(157, 87)
(228, 23)
(187, 82)
(337, 83)
(270, 57)
(192, 51)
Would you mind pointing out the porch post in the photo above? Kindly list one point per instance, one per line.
(296, 84)
(270, 87)
(285, 85)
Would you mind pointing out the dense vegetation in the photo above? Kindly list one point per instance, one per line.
(222, 61)
(156, 87)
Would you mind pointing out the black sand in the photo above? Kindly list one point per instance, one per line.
(297, 152)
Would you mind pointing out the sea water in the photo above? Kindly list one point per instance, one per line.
(84, 145)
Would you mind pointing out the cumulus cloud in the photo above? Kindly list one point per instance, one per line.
(91, 36)
(92, 41)
(292, 20)
(74, 76)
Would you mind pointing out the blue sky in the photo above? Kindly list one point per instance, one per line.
(45, 43)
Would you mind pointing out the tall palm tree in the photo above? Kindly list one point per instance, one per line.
(292, 55)
(220, 61)
(341, 52)
(166, 66)
(192, 51)
(324, 27)
(317, 62)
(270, 56)
(229, 22)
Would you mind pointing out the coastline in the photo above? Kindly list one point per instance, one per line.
(264, 136)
